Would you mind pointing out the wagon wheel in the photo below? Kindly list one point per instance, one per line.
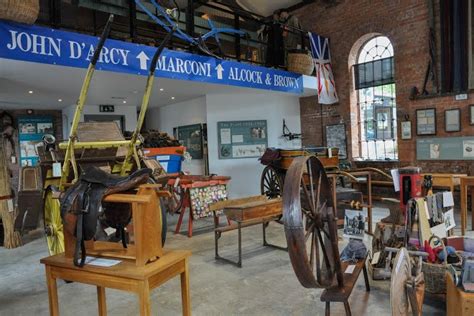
(53, 224)
(271, 183)
(175, 202)
(310, 224)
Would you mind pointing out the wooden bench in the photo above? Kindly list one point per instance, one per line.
(341, 294)
(245, 212)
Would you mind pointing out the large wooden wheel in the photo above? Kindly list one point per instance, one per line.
(310, 224)
(271, 183)
(53, 224)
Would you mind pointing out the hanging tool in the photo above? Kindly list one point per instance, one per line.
(69, 156)
(132, 148)
(431, 72)
(288, 134)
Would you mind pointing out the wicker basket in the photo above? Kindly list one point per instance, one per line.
(435, 274)
(300, 62)
(23, 11)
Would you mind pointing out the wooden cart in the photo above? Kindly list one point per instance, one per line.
(96, 143)
(273, 176)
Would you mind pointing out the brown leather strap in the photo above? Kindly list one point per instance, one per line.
(6, 197)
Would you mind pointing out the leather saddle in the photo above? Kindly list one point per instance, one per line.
(82, 210)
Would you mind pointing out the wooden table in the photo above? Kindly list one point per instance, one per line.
(466, 182)
(445, 180)
(124, 276)
(458, 302)
(246, 212)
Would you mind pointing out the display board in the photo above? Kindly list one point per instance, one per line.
(242, 139)
(31, 131)
(336, 137)
(445, 148)
(191, 136)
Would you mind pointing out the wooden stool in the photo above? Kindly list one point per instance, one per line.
(341, 294)
(124, 276)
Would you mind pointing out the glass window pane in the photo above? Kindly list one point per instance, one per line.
(377, 104)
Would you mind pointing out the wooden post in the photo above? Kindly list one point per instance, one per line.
(12, 239)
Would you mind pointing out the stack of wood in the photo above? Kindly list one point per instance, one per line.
(157, 139)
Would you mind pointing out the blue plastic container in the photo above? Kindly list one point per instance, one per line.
(171, 163)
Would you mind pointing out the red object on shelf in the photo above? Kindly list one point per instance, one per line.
(150, 152)
(410, 185)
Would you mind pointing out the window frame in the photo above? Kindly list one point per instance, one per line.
(389, 135)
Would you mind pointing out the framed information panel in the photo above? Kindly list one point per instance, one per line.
(242, 139)
(445, 148)
(31, 130)
(192, 137)
(426, 122)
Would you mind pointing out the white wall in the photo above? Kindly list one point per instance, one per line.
(180, 114)
(272, 107)
(129, 112)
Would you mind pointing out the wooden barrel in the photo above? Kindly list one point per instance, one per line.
(23, 11)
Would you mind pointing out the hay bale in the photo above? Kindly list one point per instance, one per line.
(12, 239)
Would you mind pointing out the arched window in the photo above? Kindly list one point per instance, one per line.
(375, 85)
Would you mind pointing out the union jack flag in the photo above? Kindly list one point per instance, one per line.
(322, 62)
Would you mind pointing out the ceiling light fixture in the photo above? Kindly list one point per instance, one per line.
(161, 89)
(172, 98)
(60, 100)
(124, 101)
(30, 92)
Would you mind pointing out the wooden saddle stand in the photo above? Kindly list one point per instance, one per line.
(143, 267)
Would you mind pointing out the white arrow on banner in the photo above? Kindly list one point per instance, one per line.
(143, 60)
(220, 72)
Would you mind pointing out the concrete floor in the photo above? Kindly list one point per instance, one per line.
(266, 285)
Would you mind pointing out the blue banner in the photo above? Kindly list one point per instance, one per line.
(54, 47)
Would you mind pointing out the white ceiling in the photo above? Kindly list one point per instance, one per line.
(266, 7)
(50, 83)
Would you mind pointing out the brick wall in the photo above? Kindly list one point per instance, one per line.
(349, 25)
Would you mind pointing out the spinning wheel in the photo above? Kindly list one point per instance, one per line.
(271, 183)
(310, 224)
(406, 291)
(401, 273)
